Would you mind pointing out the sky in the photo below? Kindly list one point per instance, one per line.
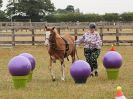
(94, 6)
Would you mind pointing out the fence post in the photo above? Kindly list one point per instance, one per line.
(75, 34)
(13, 37)
(101, 34)
(117, 36)
(131, 44)
(33, 37)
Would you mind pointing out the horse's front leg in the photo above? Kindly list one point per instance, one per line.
(51, 70)
(62, 70)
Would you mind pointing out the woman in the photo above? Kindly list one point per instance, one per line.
(92, 46)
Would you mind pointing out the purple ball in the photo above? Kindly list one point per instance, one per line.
(80, 70)
(31, 59)
(112, 59)
(19, 66)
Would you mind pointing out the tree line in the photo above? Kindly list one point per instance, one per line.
(44, 10)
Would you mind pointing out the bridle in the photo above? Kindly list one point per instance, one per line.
(53, 45)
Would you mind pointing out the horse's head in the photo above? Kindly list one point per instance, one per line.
(49, 35)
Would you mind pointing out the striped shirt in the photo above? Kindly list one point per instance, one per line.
(90, 40)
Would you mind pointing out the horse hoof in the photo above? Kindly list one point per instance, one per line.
(63, 79)
(53, 80)
(96, 73)
(92, 75)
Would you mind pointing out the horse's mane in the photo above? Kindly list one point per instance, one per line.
(57, 34)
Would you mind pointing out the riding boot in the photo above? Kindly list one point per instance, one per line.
(96, 72)
(92, 75)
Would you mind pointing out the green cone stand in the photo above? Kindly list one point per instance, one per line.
(112, 74)
(20, 81)
(30, 76)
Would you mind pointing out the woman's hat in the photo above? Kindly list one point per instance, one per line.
(92, 25)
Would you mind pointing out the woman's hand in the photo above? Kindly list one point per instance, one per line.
(75, 42)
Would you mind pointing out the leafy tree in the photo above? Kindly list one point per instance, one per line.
(60, 11)
(34, 9)
(70, 8)
(73, 17)
(2, 13)
(3, 16)
(126, 16)
(0, 3)
(111, 17)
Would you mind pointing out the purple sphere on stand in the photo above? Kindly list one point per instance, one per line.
(31, 59)
(80, 70)
(112, 59)
(19, 66)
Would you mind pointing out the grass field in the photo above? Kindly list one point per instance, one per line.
(41, 87)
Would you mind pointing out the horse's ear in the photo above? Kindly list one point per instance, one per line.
(53, 28)
(45, 27)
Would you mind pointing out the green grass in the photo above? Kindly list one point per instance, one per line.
(41, 87)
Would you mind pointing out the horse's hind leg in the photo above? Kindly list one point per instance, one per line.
(51, 70)
(62, 70)
(73, 56)
(67, 58)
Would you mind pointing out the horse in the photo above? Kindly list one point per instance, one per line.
(59, 48)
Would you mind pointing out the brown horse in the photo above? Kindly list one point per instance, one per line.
(59, 48)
